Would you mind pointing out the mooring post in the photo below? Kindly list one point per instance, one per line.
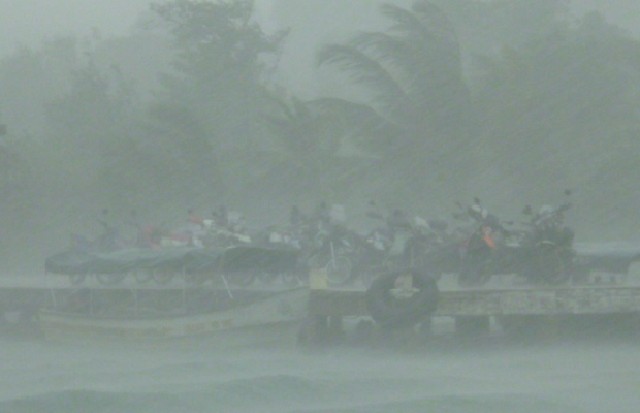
(135, 301)
(91, 310)
(52, 290)
(184, 290)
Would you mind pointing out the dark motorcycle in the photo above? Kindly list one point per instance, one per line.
(431, 249)
(543, 253)
(282, 239)
(547, 248)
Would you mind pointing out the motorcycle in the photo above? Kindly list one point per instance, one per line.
(489, 249)
(412, 245)
(394, 246)
(547, 248)
(333, 250)
(284, 239)
(543, 253)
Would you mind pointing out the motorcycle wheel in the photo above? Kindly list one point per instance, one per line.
(317, 261)
(196, 280)
(365, 273)
(473, 273)
(243, 279)
(552, 266)
(143, 276)
(270, 278)
(110, 279)
(291, 279)
(77, 279)
(162, 277)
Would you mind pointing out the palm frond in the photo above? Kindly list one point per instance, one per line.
(425, 24)
(405, 22)
(364, 70)
(435, 19)
(439, 26)
(359, 120)
(280, 102)
(428, 35)
(354, 112)
(386, 47)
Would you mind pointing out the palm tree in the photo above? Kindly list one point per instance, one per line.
(312, 134)
(413, 72)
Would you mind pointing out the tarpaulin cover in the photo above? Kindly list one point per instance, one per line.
(191, 260)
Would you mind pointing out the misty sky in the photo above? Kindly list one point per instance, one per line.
(312, 23)
(29, 21)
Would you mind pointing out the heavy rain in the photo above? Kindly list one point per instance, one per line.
(319, 206)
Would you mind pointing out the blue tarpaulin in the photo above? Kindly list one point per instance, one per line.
(190, 260)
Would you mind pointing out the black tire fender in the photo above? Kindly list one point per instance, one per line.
(389, 312)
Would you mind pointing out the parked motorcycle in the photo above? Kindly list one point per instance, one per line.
(398, 244)
(489, 249)
(541, 253)
(284, 239)
(547, 248)
(434, 249)
(334, 250)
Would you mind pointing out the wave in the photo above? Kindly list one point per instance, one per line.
(268, 393)
(278, 393)
(82, 401)
(458, 404)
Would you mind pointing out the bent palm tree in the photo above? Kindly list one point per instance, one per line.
(413, 72)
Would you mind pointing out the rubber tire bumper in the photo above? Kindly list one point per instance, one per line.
(390, 312)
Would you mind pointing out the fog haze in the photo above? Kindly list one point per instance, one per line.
(105, 29)
(28, 22)
(130, 127)
(61, 37)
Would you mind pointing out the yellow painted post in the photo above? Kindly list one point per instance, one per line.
(318, 279)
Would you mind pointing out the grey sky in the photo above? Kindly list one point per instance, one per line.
(313, 22)
(29, 21)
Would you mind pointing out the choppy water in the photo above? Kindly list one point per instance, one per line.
(582, 377)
